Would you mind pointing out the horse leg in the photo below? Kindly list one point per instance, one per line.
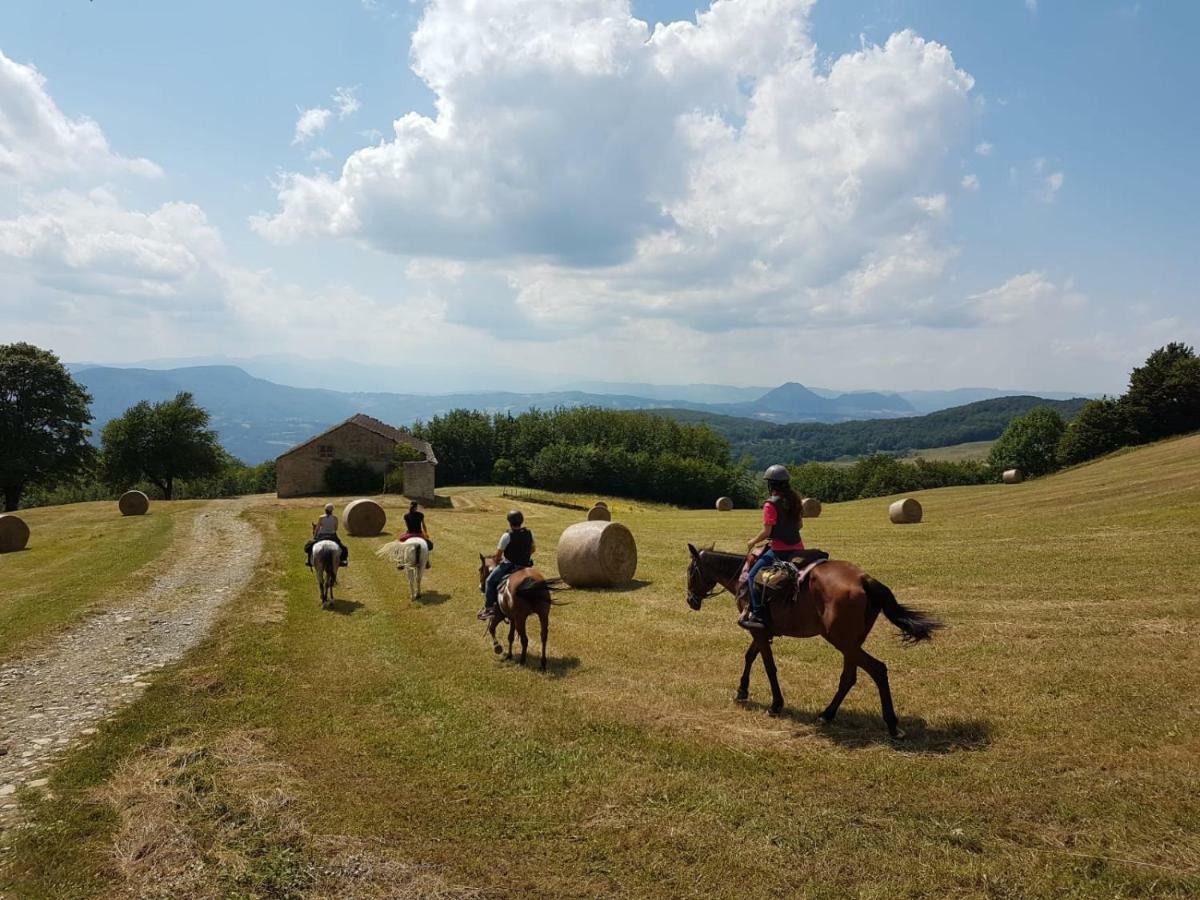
(544, 618)
(768, 655)
(491, 630)
(878, 672)
(849, 677)
(743, 691)
(524, 640)
(512, 630)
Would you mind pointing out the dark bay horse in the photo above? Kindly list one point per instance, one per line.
(840, 602)
(524, 593)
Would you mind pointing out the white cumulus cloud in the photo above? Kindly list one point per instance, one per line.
(346, 102)
(600, 166)
(970, 182)
(38, 141)
(311, 123)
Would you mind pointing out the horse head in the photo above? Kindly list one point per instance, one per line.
(486, 564)
(699, 585)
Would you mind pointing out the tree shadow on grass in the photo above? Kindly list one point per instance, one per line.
(431, 598)
(855, 730)
(345, 607)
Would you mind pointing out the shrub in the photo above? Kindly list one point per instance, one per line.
(352, 477)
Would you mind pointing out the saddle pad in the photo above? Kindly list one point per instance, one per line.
(778, 575)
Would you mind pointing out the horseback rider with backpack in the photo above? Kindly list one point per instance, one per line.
(781, 527)
(515, 551)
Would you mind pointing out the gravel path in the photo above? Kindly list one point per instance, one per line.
(54, 697)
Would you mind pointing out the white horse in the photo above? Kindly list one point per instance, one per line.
(326, 557)
(414, 558)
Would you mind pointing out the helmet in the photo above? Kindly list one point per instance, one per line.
(515, 518)
(329, 508)
(777, 473)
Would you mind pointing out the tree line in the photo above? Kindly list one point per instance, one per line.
(46, 456)
(586, 449)
(1162, 400)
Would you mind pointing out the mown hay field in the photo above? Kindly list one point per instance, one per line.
(78, 557)
(1053, 725)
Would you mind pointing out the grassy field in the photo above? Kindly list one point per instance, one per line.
(380, 749)
(78, 556)
(955, 452)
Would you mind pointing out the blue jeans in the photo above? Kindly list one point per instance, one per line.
(491, 591)
(769, 558)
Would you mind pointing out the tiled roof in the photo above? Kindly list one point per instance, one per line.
(383, 429)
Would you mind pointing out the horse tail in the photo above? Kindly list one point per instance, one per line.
(915, 626)
(548, 584)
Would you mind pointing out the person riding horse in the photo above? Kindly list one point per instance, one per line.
(781, 526)
(517, 548)
(326, 530)
(414, 522)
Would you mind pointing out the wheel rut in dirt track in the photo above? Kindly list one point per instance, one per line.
(52, 697)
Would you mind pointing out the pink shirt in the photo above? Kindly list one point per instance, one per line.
(770, 517)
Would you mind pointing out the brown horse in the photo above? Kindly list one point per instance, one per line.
(523, 593)
(839, 601)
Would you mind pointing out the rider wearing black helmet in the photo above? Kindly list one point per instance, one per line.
(781, 526)
(517, 548)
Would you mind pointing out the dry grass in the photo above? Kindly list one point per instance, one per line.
(1054, 725)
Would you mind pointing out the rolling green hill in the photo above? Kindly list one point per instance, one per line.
(767, 443)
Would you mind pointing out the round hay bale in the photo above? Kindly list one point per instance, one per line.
(1013, 476)
(905, 512)
(724, 504)
(133, 503)
(810, 507)
(599, 513)
(14, 533)
(600, 503)
(364, 518)
(597, 554)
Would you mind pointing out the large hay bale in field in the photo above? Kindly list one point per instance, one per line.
(599, 513)
(905, 512)
(1013, 476)
(364, 518)
(597, 554)
(724, 504)
(600, 503)
(810, 507)
(14, 533)
(133, 503)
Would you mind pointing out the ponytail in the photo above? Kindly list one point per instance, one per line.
(790, 499)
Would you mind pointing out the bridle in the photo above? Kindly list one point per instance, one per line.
(695, 601)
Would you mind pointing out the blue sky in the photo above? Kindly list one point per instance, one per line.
(852, 194)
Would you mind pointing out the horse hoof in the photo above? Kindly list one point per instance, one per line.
(497, 650)
(741, 697)
(774, 711)
(898, 734)
(822, 722)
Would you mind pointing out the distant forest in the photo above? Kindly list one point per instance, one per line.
(765, 443)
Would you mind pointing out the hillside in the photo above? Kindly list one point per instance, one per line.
(1062, 693)
(765, 443)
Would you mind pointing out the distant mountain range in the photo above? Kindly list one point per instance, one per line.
(258, 419)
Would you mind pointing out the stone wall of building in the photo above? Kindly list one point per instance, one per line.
(301, 472)
(418, 480)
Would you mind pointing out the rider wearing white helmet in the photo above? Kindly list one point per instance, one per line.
(781, 526)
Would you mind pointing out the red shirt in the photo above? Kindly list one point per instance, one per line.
(770, 517)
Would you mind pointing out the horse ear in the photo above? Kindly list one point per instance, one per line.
(695, 553)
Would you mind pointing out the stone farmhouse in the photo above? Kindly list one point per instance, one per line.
(300, 471)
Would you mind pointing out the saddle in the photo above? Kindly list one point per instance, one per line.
(776, 578)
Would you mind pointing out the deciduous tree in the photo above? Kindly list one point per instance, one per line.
(161, 443)
(43, 421)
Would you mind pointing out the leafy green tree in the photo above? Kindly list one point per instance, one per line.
(344, 476)
(1102, 426)
(161, 443)
(1030, 443)
(1164, 393)
(43, 422)
(462, 440)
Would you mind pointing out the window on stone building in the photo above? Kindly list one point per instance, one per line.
(324, 451)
